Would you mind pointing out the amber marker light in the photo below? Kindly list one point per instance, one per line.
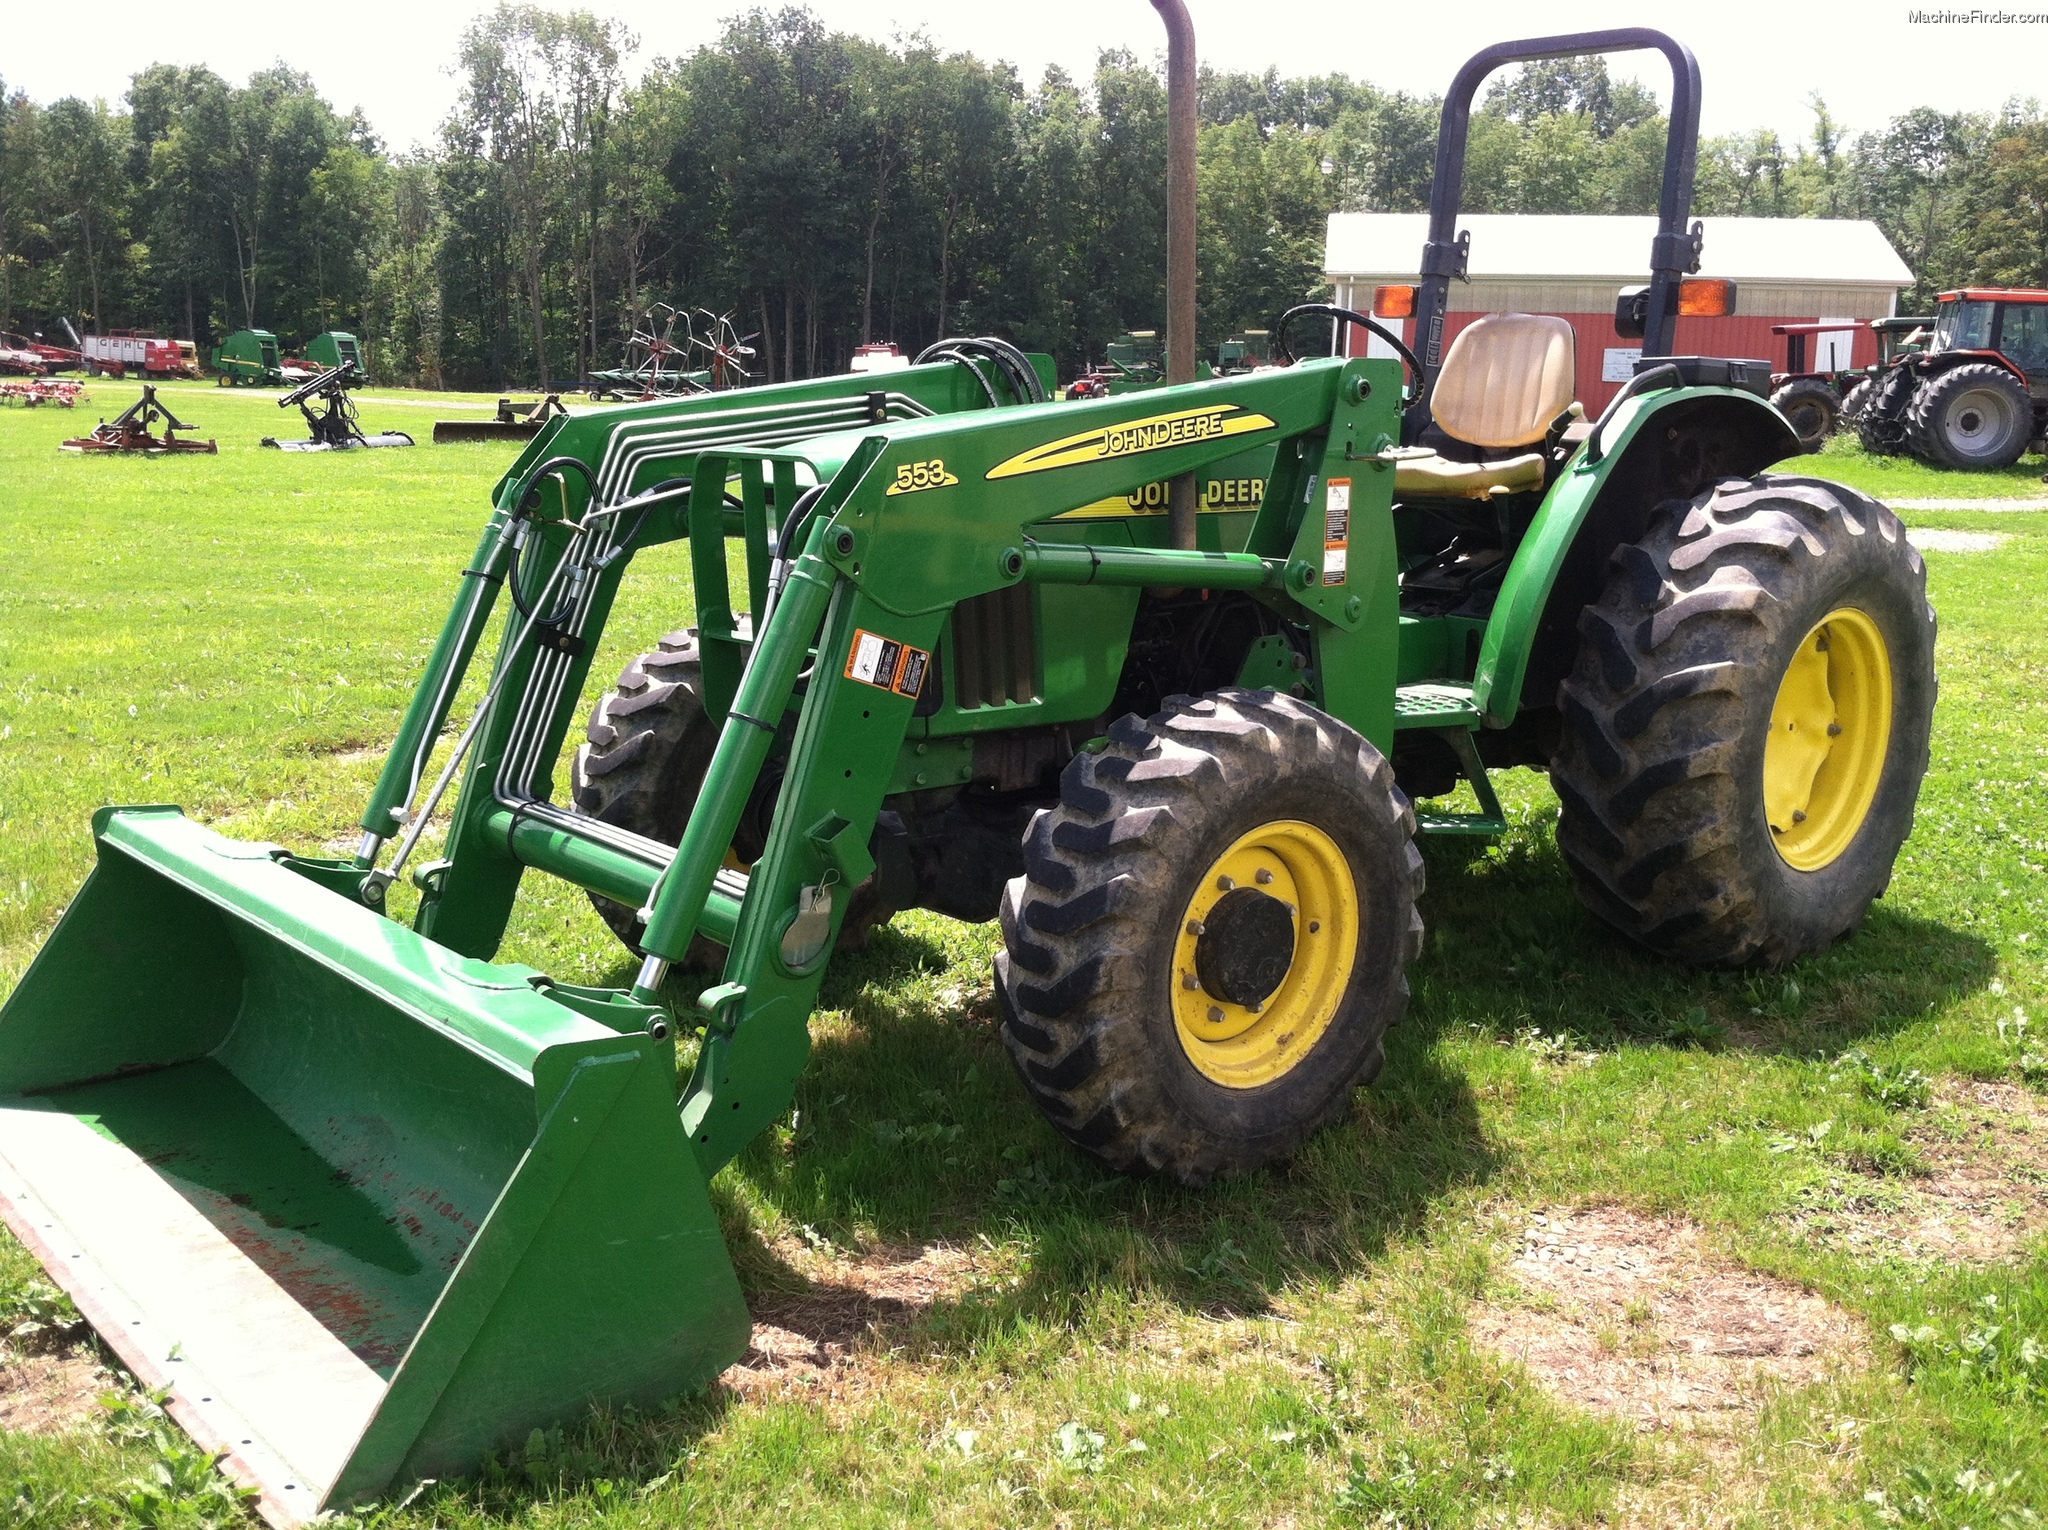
(1704, 297)
(1394, 302)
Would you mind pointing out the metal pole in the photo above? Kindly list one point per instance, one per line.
(1181, 122)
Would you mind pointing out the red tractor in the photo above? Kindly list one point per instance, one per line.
(1811, 398)
(1977, 395)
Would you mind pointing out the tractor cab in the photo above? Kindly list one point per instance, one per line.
(2010, 324)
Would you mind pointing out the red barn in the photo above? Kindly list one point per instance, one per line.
(1786, 270)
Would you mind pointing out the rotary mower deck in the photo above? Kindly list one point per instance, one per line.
(332, 425)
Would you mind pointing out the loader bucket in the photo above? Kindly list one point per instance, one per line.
(368, 1209)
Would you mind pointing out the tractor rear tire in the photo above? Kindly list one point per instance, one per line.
(1854, 402)
(1881, 422)
(1697, 819)
(1975, 416)
(1172, 1017)
(1814, 409)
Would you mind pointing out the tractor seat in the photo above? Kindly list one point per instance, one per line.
(1505, 382)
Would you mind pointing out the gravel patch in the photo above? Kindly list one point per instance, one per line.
(1928, 540)
(2032, 503)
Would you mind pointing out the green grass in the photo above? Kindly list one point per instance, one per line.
(239, 634)
(1892, 478)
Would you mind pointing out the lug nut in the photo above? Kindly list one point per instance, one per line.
(1264, 877)
(1225, 884)
(1799, 815)
(1834, 730)
(1315, 927)
(1189, 980)
(1197, 929)
(1215, 1015)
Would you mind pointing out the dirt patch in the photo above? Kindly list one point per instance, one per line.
(1626, 1314)
(49, 1393)
(347, 751)
(850, 1312)
(1983, 1198)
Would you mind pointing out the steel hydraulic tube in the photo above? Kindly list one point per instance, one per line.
(406, 764)
(549, 847)
(1057, 563)
(750, 725)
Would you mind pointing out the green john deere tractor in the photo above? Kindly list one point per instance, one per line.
(369, 1203)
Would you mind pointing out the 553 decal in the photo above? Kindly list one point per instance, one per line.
(914, 476)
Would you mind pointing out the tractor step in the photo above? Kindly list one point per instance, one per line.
(1449, 710)
(1486, 824)
(1435, 705)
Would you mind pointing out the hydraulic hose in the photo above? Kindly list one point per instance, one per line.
(1009, 363)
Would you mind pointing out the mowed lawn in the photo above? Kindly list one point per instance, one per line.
(1610, 1242)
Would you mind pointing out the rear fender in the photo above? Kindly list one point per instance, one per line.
(1945, 361)
(1661, 446)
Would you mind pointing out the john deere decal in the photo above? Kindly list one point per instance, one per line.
(1151, 498)
(1184, 427)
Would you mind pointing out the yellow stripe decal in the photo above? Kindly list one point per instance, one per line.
(1184, 427)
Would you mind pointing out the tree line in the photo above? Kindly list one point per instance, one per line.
(828, 191)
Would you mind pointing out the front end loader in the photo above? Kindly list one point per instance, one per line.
(371, 1204)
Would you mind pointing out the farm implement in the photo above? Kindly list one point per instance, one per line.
(370, 1203)
(513, 422)
(132, 430)
(331, 414)
(248, 358)
(30, 355)
(659, 365)
(64, 392)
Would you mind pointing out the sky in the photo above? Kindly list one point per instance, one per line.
(1761, 59)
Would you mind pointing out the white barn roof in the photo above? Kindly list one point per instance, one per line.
(1536, 247)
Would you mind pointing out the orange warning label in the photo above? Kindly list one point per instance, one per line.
(887, 664)
(1337, 531)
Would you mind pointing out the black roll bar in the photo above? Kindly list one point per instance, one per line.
(1674, 251)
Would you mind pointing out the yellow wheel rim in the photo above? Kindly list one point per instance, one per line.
(1244, 1045)
(1830, 729)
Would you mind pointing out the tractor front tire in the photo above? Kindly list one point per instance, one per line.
(644, 755)
(1813, 408)
(643, 760)
(1975, 416)
(1211, 936)
(1747, 724)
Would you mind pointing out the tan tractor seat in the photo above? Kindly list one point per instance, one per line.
(1506, 380)
(1437, 477)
